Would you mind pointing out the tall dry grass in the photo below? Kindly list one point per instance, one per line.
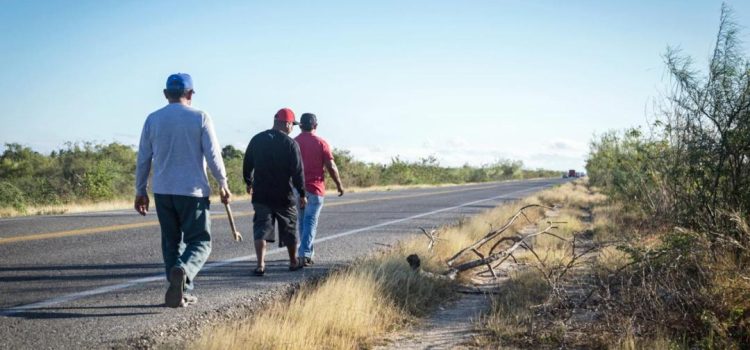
(347, 310)
(511, 310)
(514, 319)
(351, 308)
(646, 286)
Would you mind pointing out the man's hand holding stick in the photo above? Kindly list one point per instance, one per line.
(225, 195)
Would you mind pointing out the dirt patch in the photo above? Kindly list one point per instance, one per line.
(450, 327)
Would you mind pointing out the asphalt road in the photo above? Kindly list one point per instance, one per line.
(96, 280)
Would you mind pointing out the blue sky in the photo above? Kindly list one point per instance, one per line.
(465, 81)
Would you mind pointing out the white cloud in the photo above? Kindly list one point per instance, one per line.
(559, 154)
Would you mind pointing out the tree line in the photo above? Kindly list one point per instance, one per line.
(94, 172)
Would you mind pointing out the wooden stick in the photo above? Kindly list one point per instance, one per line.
(237, 235)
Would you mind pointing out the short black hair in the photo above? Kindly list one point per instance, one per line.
(308, 121)
(176, 93)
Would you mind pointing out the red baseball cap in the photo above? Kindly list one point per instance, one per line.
(285, 115)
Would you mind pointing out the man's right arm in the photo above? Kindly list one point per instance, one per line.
(298, 175)
(142, 169)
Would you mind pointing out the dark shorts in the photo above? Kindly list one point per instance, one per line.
(267, 218)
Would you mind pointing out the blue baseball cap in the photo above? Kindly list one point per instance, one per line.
(180, 81)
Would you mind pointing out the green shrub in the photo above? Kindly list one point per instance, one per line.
(11, 197)
(97, 172)
(692, 172)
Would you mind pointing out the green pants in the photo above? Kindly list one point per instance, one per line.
(185, 232)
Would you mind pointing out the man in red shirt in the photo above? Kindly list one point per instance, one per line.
(316, 155)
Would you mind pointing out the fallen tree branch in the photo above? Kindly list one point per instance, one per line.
(494, 233)
(432, 236)
(494, 257)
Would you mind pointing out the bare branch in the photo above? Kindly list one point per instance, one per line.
(494, 233)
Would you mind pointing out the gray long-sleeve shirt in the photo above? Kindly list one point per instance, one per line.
(178, 141)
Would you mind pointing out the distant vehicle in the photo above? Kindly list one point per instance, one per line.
(572, 173)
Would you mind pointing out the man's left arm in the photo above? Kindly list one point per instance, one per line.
(330, 165)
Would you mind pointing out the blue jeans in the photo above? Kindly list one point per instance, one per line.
(308, 225)
(185, 232)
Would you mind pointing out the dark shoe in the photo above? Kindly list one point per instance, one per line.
(306, 261)
(175, 292)
(296, 266)
(259, 271)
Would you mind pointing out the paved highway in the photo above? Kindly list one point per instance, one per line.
(96, 280)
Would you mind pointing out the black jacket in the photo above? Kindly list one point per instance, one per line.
(273, 166)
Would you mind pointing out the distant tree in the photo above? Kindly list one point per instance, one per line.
(20, 161)
(229, 152)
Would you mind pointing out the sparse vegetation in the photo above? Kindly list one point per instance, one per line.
(548, 279)
(86, 174)
(382, 286)
(672, 244)
(688, 184)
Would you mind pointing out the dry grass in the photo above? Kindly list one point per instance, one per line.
(515, 316)
(569, 195)
(379, 292)
(344, 312)
(633, 342)
(648, 285)
(67, 208)
(511, 311)
(348, 310)
(610, 261)
(455, 238)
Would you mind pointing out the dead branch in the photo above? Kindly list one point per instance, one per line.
(494, 233)
(489, 265)
(494, 257)
(432, 236)
(501, 240)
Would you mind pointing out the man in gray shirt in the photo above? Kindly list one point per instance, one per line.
(178, 141)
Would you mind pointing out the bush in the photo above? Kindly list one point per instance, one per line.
(11, 197)
(692, 172)
(96, 172)
(694, 168)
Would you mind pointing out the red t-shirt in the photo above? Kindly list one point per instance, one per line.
(315, 151)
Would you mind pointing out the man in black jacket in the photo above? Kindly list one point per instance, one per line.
(271, 168)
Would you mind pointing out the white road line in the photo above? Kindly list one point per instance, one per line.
(115, 287)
